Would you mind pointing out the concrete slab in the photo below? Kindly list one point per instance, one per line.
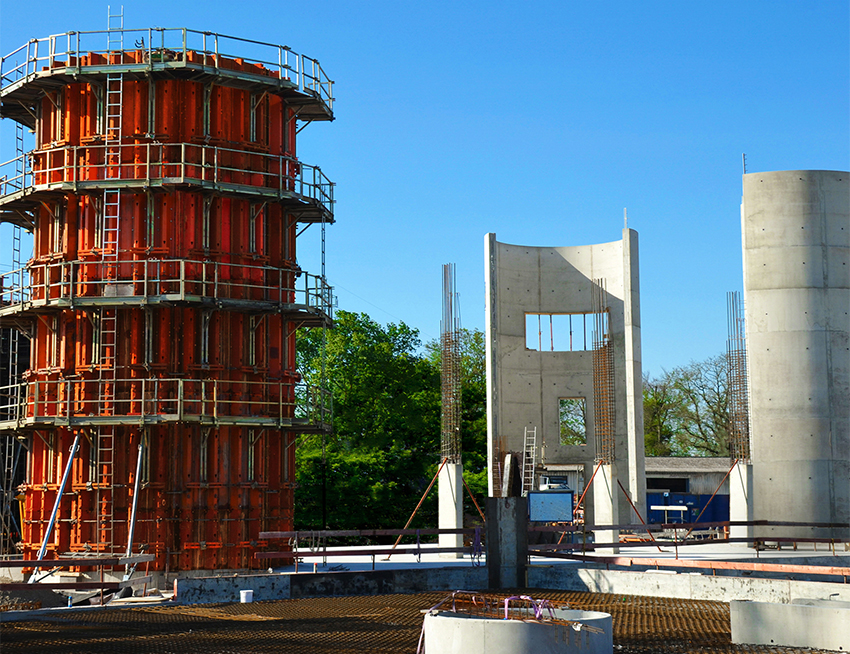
(817, 625)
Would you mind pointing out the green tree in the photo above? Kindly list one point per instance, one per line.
(703, 414)
(572, 418)
(385, 446)
(660, 405)
(686, 410)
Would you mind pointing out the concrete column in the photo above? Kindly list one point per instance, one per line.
(507, 541)
(796, 247)
(634, 375)
(491, 348)
(741, 500)
(451, 507)
(605, 502)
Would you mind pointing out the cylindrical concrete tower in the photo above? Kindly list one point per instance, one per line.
(796, 247)
(164, 293)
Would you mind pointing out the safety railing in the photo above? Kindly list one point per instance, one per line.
(316, 543)
(165, 163)
(574, 539)
(68, 283)
(156, 400)
(164, 48)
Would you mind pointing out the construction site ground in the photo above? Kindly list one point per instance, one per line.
(380, 624)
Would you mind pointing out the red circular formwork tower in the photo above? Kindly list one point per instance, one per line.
(163, 296)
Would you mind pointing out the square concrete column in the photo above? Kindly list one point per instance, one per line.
(605, 501)
(507, 541)
(741, 500)
(451, 507)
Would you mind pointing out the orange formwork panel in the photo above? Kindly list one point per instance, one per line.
(163, 298)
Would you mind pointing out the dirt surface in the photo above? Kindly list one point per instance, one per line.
(380, 624)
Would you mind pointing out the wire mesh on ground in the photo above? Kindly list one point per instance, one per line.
(380, 623)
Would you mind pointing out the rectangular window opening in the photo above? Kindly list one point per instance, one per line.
(572, 420)
(667, 484)
(563, 332)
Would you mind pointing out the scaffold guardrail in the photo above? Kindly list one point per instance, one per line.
(162, 281)
(164, 49)
(146, 401)
(157, 164)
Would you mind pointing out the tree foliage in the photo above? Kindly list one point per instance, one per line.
(385, 448)
(686, 410)
(572, 417)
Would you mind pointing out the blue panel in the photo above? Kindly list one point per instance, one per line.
(718, 509)
(550, 506)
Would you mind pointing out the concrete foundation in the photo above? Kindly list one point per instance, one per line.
(796, 250)
(454, 633)
(741, 501)
(507, 541)
(605, 506)
(686, 585)
(818, 624)
(451, 506)
(267, 587)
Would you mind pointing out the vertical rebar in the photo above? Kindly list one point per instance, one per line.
(604, 404)
(450, 370)
(736, 360)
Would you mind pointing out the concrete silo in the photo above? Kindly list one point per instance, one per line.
(796, 250)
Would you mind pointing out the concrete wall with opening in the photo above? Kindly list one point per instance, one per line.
(540, 326)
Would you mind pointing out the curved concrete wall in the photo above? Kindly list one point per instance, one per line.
(796, 249)
(458, 633)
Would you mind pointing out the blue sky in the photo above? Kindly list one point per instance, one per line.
(540, 122)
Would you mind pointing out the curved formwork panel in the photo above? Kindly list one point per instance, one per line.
(204, 493)
(163, 296)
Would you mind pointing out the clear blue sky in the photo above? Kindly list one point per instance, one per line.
(539, 121)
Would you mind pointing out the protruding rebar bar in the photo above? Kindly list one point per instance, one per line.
(450, 370)
(736, 357)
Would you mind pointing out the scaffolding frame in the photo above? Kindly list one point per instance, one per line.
(175, 51)
(78, 403)
(25, 292)
(111, 402)
(141, 166)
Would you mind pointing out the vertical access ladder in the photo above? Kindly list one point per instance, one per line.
(12, 447)
(528, 457)
(113, 98)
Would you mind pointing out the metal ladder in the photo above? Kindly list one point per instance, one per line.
(104, 489)
(19, 156)
(11, 446)
(497, 475)
(108, 319)
(14, 334)
(11, 452)
(528, 457)
(113, 121)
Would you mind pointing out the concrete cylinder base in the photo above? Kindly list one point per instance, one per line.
(458, 633)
